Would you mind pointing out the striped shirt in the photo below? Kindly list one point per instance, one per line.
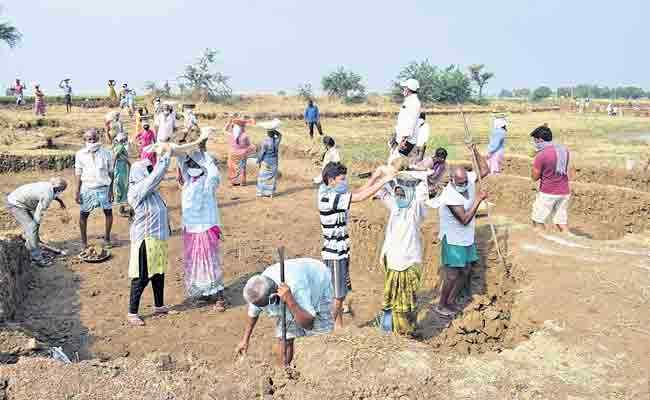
(150, 219)
(333, 208)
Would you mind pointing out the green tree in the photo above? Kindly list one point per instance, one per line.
(542, 93)
(9, 34)
(454, 86)
(479, 77)
(305, 91)
(203, 81)
(505, 93)
(448, 85)
(343, 84)
(151, 88)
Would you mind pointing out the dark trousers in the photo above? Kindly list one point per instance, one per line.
(311, 129)
(138, 284)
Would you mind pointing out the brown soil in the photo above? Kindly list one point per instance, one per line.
(566, 317)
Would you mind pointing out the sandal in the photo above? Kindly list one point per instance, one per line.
(443, 312)
(134, 320)
(160, 310)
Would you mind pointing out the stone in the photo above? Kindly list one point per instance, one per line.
(473, 322)
(493, 328)
(165, 362)
(7, 358)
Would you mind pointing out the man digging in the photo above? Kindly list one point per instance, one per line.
(94, 170)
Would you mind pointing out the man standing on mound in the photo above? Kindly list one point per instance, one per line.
(406, 130)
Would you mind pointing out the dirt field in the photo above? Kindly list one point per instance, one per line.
(566, 318)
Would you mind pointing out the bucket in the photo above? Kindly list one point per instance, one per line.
(387, 321)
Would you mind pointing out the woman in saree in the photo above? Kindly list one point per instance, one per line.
(121, 166)
(240, 149)
(268, 159)
(202, 234)
(39, 102)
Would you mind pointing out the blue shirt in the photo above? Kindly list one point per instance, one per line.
(312, 114)
(269, 151)
(309, 281)
(497, 140)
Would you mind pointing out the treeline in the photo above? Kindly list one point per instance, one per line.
(579, 91)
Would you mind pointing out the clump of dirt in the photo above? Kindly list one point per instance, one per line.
(36, 123)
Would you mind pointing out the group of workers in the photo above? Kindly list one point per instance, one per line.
(40, 106)
(313, 291)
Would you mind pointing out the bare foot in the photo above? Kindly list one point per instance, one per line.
(134, 320)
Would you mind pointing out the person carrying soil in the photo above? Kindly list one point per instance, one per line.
(94, 170)
(268, 159)
(28, 204)
(121, 167)
(239, 151)
(312, 118)
(307, 293)
(149, 233)
(112, 95)
(202, 229)
(145, 138)
(334, 201)
(401, 254)
(114, 125)
(496, 146)
(67, 94)
(458, 204)
(551, 169)
(39, 101)
(331, 154)
(406, 129)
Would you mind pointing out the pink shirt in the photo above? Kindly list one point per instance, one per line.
(549, 181)
(145, 138)
(19, 88)
(241, 146)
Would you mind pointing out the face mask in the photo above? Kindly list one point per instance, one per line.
(93, 147)
(460, 189)
(539, 146)
(341, 187)
(194, 172)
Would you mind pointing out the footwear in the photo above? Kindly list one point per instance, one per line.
(443, 312)
(160, 310)
(220, 306)
(134, 320)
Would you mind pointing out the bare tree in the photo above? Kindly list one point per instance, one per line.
(481, 78)
(200, 78)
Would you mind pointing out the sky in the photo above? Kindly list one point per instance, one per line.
(271, 45)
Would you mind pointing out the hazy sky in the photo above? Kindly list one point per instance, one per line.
(270, 45)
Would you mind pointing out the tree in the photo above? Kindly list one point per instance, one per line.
(345, 85)
(305, 91)
(205, 83)
(479, 77)
(448, 85)
(505, 93)
(151, 88)
(9, 34)
(541, 93)
(166, 89)
(521, 93)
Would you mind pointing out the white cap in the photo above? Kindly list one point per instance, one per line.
(411, 84)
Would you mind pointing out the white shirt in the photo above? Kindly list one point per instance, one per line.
(165, 126)
(331, 155)
(199, 202)
(423, 133)
(457, 233)
(33, 197)
(94, 168)
(190, 120)
(407, 119)
(403, 242)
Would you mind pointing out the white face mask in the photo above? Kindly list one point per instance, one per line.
(194, 172)
(93, 147)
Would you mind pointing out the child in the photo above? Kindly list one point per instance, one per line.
(334, 200)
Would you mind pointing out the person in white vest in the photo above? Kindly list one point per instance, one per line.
(406, 129)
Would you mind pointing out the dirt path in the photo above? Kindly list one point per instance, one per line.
(586, 300)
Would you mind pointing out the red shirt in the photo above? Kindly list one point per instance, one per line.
(549, 181)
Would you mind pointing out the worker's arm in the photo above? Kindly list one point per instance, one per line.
(367, 192)
(61, 203)
(465, 217)
(483, 168)
(43, 204)
(304, 319)
(242, 348)
(535, 174)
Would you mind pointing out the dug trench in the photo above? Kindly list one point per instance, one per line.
(82, 307)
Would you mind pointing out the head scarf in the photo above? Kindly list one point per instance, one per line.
(407, 185)
(500, 123)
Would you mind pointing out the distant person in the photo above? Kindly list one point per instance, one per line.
(239, 151)
(157, 106)
(112, 95)
(334, 201)
(39, 101)
(67, 94)
(312, 118)
(149, 233)
(190, 122)
(268, 160)
(457, 206)
(496, 146)
(437, 166)
(121, 166)
(140, 116)
(145, 138)
(28, 204)
(93, 167)
(19, 92)
(331, 154)
(114, 125)
(307, 292)
(551, 169)
(423, 133)
(407, 121)
(165, 124)
(610, 110)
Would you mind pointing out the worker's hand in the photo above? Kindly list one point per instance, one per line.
(285, 293)
(242, 348)
(482, 195)
(77, 198)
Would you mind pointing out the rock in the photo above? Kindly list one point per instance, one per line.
(463, 348)
(33, 345)
(493, 328)
(473, 322)
(165, 362)
(7, 358)
(491, 313)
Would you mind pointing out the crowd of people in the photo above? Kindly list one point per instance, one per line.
(314, 291)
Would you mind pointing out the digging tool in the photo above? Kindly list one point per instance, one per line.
(50, 248)
(475, 166)
(284, 310)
